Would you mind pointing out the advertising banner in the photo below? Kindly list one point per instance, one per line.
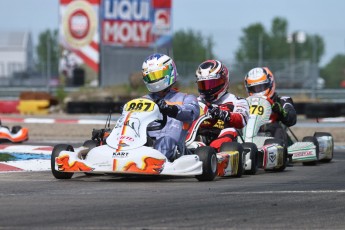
(136, 23)
(79, 34)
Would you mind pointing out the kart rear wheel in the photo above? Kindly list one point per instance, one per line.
(234, 146)
(55, 153)
(208, 157)
(316, 143)
(90, 144)
(253, 155)
(322, 134)
(285, 153)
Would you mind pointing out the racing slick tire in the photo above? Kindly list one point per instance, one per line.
(316, 143)
(322, 134)
(253, 155)
(56, 151)
(285, 154)
(208, 156)
(234, 146)
(16, 129)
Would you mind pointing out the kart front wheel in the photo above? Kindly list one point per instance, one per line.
(208, 157)
(328, 135)
(234, 146)
(285, 153)
(316, 143)
(55, 153)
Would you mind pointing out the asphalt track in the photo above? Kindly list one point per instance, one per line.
(302, 197)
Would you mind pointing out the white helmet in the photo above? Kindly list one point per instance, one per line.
(159, 72)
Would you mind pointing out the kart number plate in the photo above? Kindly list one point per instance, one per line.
(257, 109)
(139, 105)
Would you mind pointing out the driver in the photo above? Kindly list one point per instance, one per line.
(228, 112)
(159, 75)
(260, 82)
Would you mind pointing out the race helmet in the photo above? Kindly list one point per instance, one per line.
(159, 72)
(212, 79)
(260, 82)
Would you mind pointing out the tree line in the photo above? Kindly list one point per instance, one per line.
(256, 43)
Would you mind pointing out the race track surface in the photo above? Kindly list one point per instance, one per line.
(302, 197)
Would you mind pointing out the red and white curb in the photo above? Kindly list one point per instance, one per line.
(54, 121)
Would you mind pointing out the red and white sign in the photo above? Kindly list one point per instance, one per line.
(79, 29)
(135, 23)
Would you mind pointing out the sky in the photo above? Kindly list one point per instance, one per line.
(224, 20)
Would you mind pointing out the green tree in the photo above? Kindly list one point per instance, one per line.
(334, 72)
(249, 49)
(48, 39)
(191, 46)
(274, 45)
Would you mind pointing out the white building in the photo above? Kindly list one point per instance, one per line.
(16, 53)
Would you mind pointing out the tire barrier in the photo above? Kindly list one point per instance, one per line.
(323, 110)
(310, 110)
(35, 102)
(74, 107)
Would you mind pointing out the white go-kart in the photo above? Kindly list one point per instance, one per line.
(128, 150)
(273, 153)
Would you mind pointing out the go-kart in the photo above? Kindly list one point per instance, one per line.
(231, 156)
(128, 150)
(16, 134)
(308, 151)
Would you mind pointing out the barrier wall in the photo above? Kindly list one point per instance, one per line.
(310, 110)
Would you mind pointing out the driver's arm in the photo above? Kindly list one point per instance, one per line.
(189, 109)
(289, 117)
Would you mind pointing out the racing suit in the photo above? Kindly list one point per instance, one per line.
(282, 111)
(175, 131)
(226, 131)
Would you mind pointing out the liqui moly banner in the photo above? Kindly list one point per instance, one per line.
(136, 23)
(79, 30)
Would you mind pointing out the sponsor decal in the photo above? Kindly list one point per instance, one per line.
(272, 156)
(126, 138)
(136, 23)
(134, 124)
(120, 154)
(79, 24)
(303, 154)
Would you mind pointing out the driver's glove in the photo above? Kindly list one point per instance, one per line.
(169, 110)
(217, 113)
(277, 108)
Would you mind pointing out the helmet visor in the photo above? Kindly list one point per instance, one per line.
(209, 85)
(259, 88)
(158, 75)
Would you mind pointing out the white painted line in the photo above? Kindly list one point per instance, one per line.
(285, 192)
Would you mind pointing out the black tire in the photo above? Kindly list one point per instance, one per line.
(56, 151)
(208, 156)
(316, 143)
(285, 154)
(16, 129)
(90, 144)
(253, 155)
(234, 146)
(322, 134)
